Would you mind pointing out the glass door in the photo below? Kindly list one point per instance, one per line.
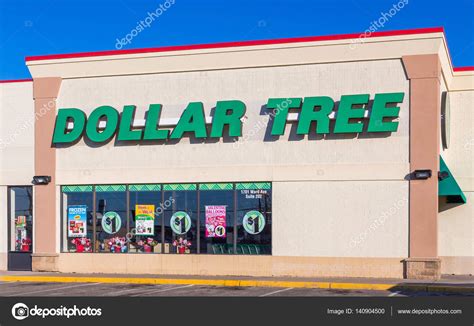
(20, 203)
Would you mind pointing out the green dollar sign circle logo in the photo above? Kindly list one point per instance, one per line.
(111, 222)
(254, 222)
(180, 222)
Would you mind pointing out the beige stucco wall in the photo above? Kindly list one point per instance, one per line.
(251, 159)
(218, 265)
(456, 222)
(16, 148)
(355, 179)
(340, 219)
(456, 237)
(16, 133)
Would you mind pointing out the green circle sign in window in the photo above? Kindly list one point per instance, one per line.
(111, 222)
(253, 222)
(180, 222)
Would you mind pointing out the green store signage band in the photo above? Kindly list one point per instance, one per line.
(229, 113)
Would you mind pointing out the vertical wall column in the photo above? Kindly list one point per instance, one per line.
(424, 72)
(45, 92)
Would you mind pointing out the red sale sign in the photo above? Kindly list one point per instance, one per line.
(215, 221)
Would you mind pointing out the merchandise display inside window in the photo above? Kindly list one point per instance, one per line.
(180, 216)
(205, 218)
(78, 213)
(216, 210)
(21, 218)
(111, 219)
(254, 230)
(145, 219)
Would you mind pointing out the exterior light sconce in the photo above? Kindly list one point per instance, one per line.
(421, 174)
(41, 180)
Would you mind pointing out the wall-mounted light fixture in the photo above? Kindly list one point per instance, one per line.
(41, 180)
(421, 174)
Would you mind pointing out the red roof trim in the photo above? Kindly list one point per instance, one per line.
(468, 68)
(15, 81)
(235, 44)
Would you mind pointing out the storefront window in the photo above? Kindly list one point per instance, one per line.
(77, 204)
(216, 205)
(180, 218)
(21, 219)
(206, 218)
(254, 229)
(111, 219)
(145, 218)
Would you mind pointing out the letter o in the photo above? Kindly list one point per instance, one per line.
(92, 131)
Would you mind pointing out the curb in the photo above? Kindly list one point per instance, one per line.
(241, 283)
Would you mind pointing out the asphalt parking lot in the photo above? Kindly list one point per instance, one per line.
(147, 290)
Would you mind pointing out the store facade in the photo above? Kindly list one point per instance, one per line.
(323, 156)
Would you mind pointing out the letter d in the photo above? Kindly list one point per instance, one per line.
(60, 129)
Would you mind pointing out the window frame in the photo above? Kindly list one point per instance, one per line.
(63, 223)
(234, 211)
(9, 218)
(162, 191)
(129, 208)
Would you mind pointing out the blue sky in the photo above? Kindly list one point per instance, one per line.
(36, 27)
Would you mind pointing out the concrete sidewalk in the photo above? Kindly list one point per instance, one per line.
(447, 283)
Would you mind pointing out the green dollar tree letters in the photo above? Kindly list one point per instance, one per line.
(92, 127)
(192, 120)
(350, 117)
(381, 111)
(347, 111)
(308, 114)
(228, 113)
(60, 134)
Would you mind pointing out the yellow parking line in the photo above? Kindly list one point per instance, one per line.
(362, 286)
(235, 283)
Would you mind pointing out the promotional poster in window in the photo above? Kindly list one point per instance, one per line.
(77, 221)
